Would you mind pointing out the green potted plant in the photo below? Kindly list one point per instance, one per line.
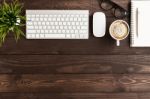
(11, 20)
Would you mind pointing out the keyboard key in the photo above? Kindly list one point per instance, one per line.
(77, 23)
(65, 27)
(73, 36)
(68, 35)
(75, 19)
(30, 27)
(37, 35)
(50, 31)
(40, 27)
(79, 19)
(59, 31)
(39, 23)
(37, 19)
(43, 23)
(49, 19)
(63, 31)
(57, 27)
(77, 36)
(54, 19)
(41, 19)
(67, 31)
(45, 19)
(47, 23)
(38, 31)
(84, 19)
(35, 23)
(58, 19)
(42, 35)
(29, 35)
(31, 31)
(36, 27)
(41, 15)
(29, 23)
(45, 27)
(45, 15)
(37, 15)
(46, 31)
(55, 36)
(71, 19)
(56, 23)
(51, 23)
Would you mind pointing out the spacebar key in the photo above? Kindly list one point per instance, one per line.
(55, 36)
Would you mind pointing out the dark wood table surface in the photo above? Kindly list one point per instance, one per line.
(74, 69)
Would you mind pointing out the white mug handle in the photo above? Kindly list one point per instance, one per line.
(118, 43)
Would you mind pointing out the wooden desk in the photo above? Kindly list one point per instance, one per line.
(73, 69)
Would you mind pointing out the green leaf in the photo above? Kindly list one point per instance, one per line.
(9, 13)
(17, 33)
(22, 18)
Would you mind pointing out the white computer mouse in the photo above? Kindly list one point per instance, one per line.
(99, 24)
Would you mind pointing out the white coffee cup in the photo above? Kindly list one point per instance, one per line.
(119, 30)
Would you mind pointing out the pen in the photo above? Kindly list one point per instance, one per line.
(137, 17)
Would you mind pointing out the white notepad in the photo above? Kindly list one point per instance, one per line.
(140, 23)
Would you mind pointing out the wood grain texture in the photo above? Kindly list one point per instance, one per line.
(75, 96)
(75, 83)
(74, 64)
(74, 69)
(92, 46)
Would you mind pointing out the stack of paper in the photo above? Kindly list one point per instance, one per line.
(140, 23)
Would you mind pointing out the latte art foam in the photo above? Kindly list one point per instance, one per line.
(119, 30)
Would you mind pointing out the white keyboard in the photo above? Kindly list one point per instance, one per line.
(57, 24)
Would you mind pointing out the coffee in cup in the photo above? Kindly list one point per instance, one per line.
(119, 30)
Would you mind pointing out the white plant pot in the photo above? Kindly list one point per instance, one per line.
(18, 21)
